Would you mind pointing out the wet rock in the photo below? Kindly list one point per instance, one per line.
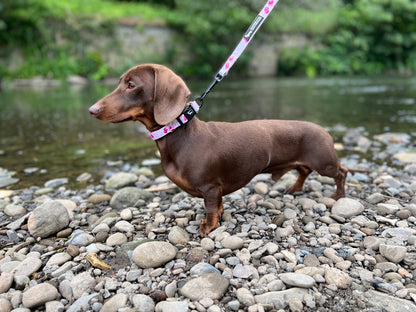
(39, 295)
(48, 219)
(153, 254)
(120, 180)
(56, 182)
(210, 285)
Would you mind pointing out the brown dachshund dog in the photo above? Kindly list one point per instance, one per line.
(212, 159)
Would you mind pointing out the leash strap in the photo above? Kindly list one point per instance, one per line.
(239, 49)
(188, 113)
(192, 109)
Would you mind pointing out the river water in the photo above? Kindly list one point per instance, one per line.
(48, 133)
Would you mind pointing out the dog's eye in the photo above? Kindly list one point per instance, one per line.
(131, 85)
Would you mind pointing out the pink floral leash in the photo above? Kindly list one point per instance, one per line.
(193, 107)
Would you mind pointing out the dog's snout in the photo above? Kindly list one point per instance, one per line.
(94, 110)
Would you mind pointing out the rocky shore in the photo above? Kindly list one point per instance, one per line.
(129, 243)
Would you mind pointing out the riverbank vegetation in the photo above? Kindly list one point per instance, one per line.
(344, 36)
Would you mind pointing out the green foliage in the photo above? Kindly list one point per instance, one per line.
(372, 36)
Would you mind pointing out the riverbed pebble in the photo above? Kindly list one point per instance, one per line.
(118, 247)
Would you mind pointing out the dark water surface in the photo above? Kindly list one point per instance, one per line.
(51, 128)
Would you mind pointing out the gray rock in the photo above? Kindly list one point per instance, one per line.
(393, 253)
(347, 207)
(124, 226)
(297, 280)
(14, 210)
(128, 197)
(116, 239)
(207, 243)
(143, 303)
(245, 297)
(375, 198)
(28, 266)
(54, 306)
(80, 238)
(337, 277)
(56, 182)
(170, 289)
(120, 179)
(232, 242)
(82, 283)
(39, 295)
(178, 236)
(172, 306)
(242, 271)
(5, 305)
(58, 259)
(6, 280)
(211, 285)
(384, 302)
(280, 299)
(203, 268)
(6, 181)
(261, 188)
(153, 254)
(48, 219)
(82, 304)
(116, 302)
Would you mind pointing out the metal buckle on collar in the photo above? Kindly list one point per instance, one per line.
(188, 113)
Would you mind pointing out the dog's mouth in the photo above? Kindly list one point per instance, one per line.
(129, 118)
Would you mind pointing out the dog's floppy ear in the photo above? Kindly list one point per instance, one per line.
(170, 95)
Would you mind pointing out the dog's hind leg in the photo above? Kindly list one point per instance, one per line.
(298, 185)
(340, 182)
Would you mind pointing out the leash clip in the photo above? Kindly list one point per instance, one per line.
(189, 113)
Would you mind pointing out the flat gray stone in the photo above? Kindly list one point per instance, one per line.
(211, 285)
(388, 303)
(153, 254)
(38, 295)
(280, 299)
(128, 197)
(347, 207)
(120, 179)
(297, 280)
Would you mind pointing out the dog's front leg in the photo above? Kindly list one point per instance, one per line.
(213, 208)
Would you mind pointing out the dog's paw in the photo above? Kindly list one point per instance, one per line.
(206, 227)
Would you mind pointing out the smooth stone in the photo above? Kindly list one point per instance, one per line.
(6, 280)
(124, 226)
(202, 268)
(120, 179)
(80, 238)
(280, 299)
(337, 277)
(8, 181)
(128, 197)
(178, 236)
(47, 219)
(171, 306)
(207, 244)
(245, 297)
(406, 157)
(58, 259)
(14, 210)
(211, 285)
(28, 266)
(82, 304)
(81, 283)
(347, 207)
(126, 214)
(171, 289)
(384, 302)
(5, 305)
(297, 280)
(116, 239)
(115, 303)
(153, 254)
(99, 198)
(372, 242)
(56, 182)
(54, 306)
(242, 271)
(232, 242)
(393, 253)
(143, 303)
(261, 188)
(375, 198)
(289, 256)
(83, 177)
(39, 294)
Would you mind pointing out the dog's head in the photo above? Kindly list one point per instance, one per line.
(149, 93)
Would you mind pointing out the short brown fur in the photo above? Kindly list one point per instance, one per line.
(212, 159)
